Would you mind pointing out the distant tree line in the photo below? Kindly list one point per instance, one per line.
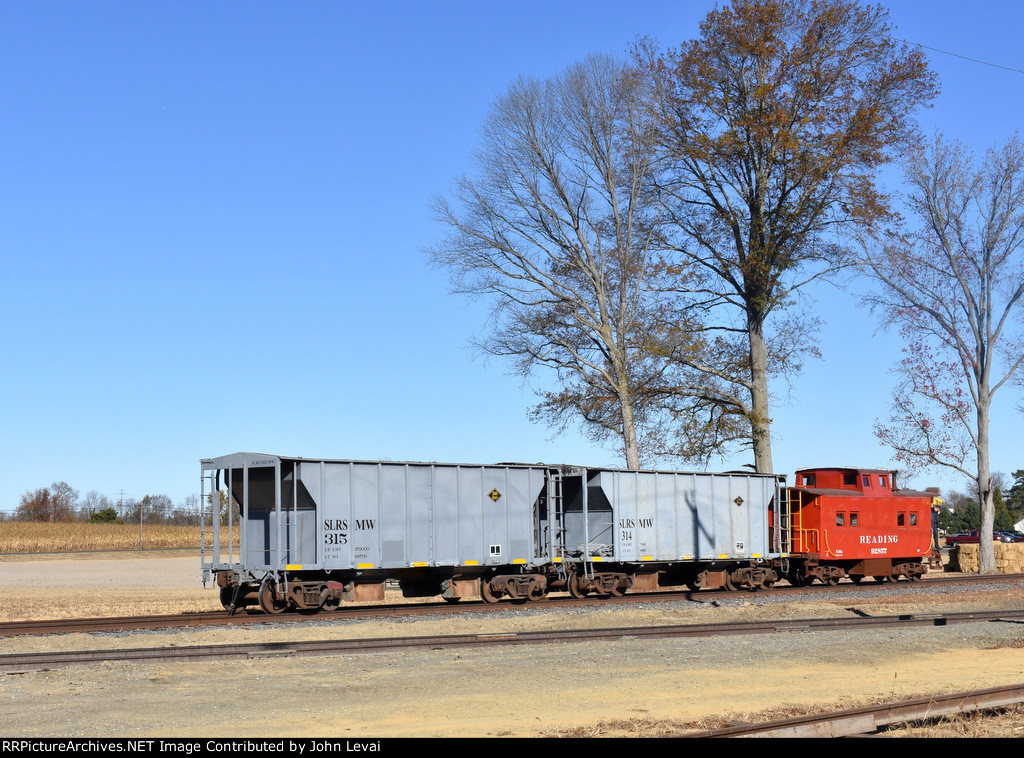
(60, 502)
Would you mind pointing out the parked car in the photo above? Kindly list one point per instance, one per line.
(969, 538)
(1011, 535)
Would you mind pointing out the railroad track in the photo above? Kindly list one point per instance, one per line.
(867, 720)
(220, 618)
(24, 662)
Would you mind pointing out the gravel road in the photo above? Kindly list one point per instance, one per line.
(103, 574)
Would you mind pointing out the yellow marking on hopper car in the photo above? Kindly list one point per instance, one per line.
(558, 559)
(723, 555)
(755, 555)
(519, 560)
(472, 563)
(364, 565)
(687, 558)
(419, 564)
(293, 567)
(647, 557)
(597, 558)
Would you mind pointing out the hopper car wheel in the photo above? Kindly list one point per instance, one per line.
(227, 596)
(487, 593)
(856, 578)
(575, 585)
(266, 598)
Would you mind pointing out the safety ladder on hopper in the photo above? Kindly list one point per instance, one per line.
(556, 517)
(212, 503)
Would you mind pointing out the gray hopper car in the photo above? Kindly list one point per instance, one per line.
(309, 533)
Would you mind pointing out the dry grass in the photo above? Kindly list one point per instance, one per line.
(36, 537)
(1001, 723)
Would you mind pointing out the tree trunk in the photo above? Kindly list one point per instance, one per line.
(629, 442)
(760, 416)
(986, 549)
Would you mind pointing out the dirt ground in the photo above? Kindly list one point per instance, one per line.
(628, 687)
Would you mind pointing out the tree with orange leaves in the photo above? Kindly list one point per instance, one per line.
(770, 128)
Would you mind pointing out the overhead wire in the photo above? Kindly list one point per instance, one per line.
(966, 58)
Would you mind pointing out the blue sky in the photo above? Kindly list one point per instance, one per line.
(213, 219)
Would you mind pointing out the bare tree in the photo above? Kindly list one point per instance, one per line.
(65, 500)
(770, 128)
(554, 233)
(150, 509)
(93, 503)
(953, 287)
(187, 512)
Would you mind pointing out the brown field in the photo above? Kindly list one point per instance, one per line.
(36, 537)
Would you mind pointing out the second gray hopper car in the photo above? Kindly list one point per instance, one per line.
(310, 533)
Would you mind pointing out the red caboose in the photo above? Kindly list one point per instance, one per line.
(854, 522)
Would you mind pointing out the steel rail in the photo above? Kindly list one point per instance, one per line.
(221, 618)
(218, 618)
(869, 719)
(21, 662)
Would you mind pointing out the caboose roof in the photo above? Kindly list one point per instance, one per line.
(832, 493)
(858, 469)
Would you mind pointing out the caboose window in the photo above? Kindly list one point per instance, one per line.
(883, 480)
(913, 519)
(867, 480)
(809, 480)
(853, 519)
(900, 519)
(839, 519)
(849, 480)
